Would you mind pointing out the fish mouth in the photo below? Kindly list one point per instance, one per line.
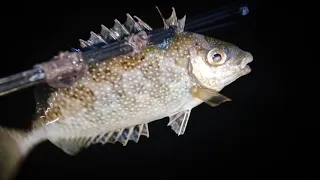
(243, 65)
(247, 69)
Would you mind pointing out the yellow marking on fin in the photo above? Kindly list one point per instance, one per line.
(211, 97)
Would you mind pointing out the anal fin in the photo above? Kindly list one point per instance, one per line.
(123, 135)
(145, 130)
(71, 146)
(179, 121)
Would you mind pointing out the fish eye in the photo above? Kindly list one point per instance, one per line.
(216, 57)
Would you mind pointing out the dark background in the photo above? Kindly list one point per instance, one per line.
(254, 136)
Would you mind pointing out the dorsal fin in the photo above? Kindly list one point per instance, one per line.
(84, 43)
(132, 25)
(107, 34)
(173, 20)
(117, 32)
(72, 146)
(95, 38)
(143, 24)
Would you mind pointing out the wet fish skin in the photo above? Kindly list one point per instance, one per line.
(120, 96)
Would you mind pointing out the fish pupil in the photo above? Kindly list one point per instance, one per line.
(216, 57)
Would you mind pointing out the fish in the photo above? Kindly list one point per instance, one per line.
(119, 97)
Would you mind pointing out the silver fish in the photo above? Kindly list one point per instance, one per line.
(119, 97)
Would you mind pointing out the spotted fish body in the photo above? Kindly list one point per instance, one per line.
(120, 96)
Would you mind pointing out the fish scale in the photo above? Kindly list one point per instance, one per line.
(158, 85)
(120, 96)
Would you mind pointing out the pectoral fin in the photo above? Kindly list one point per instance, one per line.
(211, 97)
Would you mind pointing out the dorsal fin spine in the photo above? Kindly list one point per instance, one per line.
(117, 32)
(173, 20)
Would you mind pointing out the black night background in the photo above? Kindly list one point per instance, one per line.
(252, 136)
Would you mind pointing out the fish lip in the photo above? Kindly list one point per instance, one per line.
(243, 65)
(247, 69)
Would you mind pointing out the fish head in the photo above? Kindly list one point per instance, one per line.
(215, 63)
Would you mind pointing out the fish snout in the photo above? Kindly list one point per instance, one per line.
(243, 64)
